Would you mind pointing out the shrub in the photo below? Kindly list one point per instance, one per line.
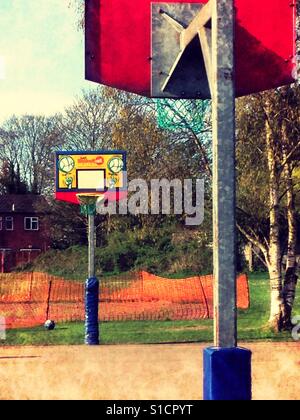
(154, 251)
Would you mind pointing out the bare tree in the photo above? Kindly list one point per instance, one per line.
(29, 144)
(88, 123)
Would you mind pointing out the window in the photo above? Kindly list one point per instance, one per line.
(31, 223)
(9, 223)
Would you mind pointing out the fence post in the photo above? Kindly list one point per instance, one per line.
(30, 286)
(48, 300)
(205, 297)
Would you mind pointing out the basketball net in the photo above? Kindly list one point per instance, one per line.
(182, 114)
(88, 203)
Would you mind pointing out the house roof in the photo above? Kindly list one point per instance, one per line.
(23, 203)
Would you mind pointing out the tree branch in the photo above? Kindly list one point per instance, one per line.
(253, 240)
(290, 155)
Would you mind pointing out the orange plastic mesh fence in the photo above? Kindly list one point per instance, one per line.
(28, 299)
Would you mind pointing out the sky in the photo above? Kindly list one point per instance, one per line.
(41, 57)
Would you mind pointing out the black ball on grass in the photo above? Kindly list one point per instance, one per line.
(49, 325)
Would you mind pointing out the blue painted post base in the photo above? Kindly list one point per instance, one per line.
(91, 312)
(227, 374)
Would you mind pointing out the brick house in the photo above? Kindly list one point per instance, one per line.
(23, 233)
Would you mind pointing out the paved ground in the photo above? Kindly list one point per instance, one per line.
(136, 372)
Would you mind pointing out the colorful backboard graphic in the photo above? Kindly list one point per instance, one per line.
(99, 172)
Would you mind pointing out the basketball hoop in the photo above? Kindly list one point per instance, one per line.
(88, 202)
(85, 178)
(84, 175)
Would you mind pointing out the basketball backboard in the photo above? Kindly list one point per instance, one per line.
(101, 172)
(132, 45)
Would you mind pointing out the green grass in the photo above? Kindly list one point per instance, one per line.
(252, 325)
(115, 333)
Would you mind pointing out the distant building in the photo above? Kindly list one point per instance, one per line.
(23, 231)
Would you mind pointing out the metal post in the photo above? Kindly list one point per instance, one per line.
(91, 288)
(91, 238)
(223, 108)
(227, 369)
(48, 300)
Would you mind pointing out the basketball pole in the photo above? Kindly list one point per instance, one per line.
(91, 288)
(91, 238)
(88, 208)
(227, 368)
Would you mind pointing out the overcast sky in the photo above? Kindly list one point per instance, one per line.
(41, 57)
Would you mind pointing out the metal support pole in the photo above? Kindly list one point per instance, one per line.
(227, 369)
(91, 290)
(223, 116)
(91, 238)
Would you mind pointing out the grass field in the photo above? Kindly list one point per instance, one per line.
(252, 325)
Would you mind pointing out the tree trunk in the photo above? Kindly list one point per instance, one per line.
(291, 278)
(274, 257)
(248, 252)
